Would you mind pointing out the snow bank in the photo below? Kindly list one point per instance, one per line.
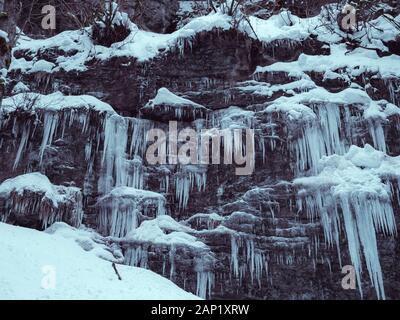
(29, 259)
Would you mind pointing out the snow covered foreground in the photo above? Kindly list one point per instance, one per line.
(38, 265)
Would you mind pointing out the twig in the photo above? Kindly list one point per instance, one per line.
(116, 271)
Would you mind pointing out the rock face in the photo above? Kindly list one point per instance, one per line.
(325, 189)
(154, 15)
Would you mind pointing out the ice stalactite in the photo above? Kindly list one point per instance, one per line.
(50, 124)
(122, 210)
(394, 91)
(205, 283)
(363, 215)
(22, 145)
(137, 257)
(378, 135)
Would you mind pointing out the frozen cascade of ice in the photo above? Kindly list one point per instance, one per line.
(320, 138)
(114, 153)
(363, 215)
(118, 169)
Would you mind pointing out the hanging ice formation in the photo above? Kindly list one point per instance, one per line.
(124, 146)
(352, 193)
(246, 259)
(205, 283)
(320, 137)
(54, 125)
(186, 180)
(124, 208)
(32, 196)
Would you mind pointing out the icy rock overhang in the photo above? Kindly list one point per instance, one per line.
(358, 191)
(32, 200)
(321, 123)
(172, 248)
(124, 208)
(167, 106)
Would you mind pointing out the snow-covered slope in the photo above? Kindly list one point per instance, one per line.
(32, 261)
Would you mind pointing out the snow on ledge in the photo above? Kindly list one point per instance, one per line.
(360, 170)
(128, 192)
(153, 231)
(36, 183)
(53, 102)
(166, 97)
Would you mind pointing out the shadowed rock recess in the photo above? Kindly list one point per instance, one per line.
(325, 112)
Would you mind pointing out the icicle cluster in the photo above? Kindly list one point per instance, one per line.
(246, 259)
(32, 197)
(363, 215)
(185, 181)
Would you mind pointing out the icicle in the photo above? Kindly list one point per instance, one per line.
(378, 135)
(49, 128)
(205, 283)
(234, 257)
(22, 145)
